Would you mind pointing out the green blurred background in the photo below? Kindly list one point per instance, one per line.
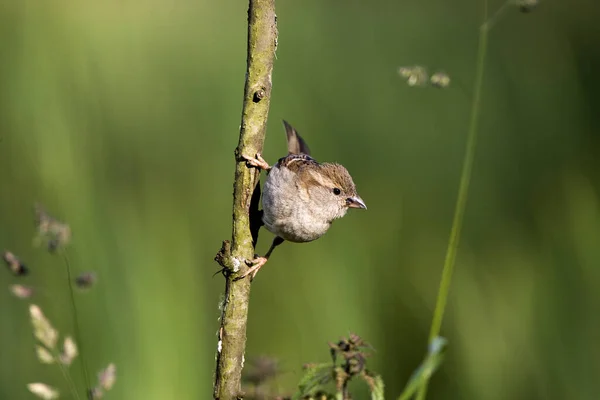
(121, 117)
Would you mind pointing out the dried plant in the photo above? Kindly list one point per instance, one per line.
(14, 265)
(43, 391)
(106, 380)
(86, 280)
(42, 328)
(48, 352)
(21, 291)
(417, 75)
(349, 360)
(56, 235)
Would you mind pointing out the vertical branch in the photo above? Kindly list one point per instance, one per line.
(262, 39)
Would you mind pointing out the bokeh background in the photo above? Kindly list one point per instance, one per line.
(121, 117)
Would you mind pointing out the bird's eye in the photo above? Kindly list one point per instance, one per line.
(336, 191)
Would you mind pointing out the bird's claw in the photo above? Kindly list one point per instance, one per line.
(257, 162)
(257, 263)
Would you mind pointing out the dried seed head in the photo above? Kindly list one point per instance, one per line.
(86, 280)
(415, 75)
(44, 355)
(405, 72)
(21, 291)
(57, 234)
(42, 220)
(42, 329)
(440, 80)
(95, 393)
(13, 264)
(107, 377)
(43, 391)
(340, 378)
(69, 351)
(61, 236)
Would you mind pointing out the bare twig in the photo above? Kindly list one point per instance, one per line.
(262, 39)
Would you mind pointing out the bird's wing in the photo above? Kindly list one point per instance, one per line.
(296, 162)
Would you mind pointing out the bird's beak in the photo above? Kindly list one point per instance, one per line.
(356, 202)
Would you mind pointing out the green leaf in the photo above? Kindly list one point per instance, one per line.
(314, 376)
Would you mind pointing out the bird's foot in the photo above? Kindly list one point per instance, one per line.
(257, 263)
(257, 162)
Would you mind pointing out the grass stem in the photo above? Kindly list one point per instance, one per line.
(67, 377)
(78, 338)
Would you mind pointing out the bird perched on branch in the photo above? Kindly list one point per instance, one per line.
(301, 197)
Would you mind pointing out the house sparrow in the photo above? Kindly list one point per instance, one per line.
(301, 197)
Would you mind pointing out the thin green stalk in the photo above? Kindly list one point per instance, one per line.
(489, 23)
(78, 339)
(67, 376)
(463, 192)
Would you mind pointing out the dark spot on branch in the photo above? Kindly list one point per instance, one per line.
(259, 95)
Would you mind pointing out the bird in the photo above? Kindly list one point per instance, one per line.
(301, 196)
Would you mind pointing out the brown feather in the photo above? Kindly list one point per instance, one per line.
(296, 145)
(296, 162)
(310, 172)
(339, 177)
